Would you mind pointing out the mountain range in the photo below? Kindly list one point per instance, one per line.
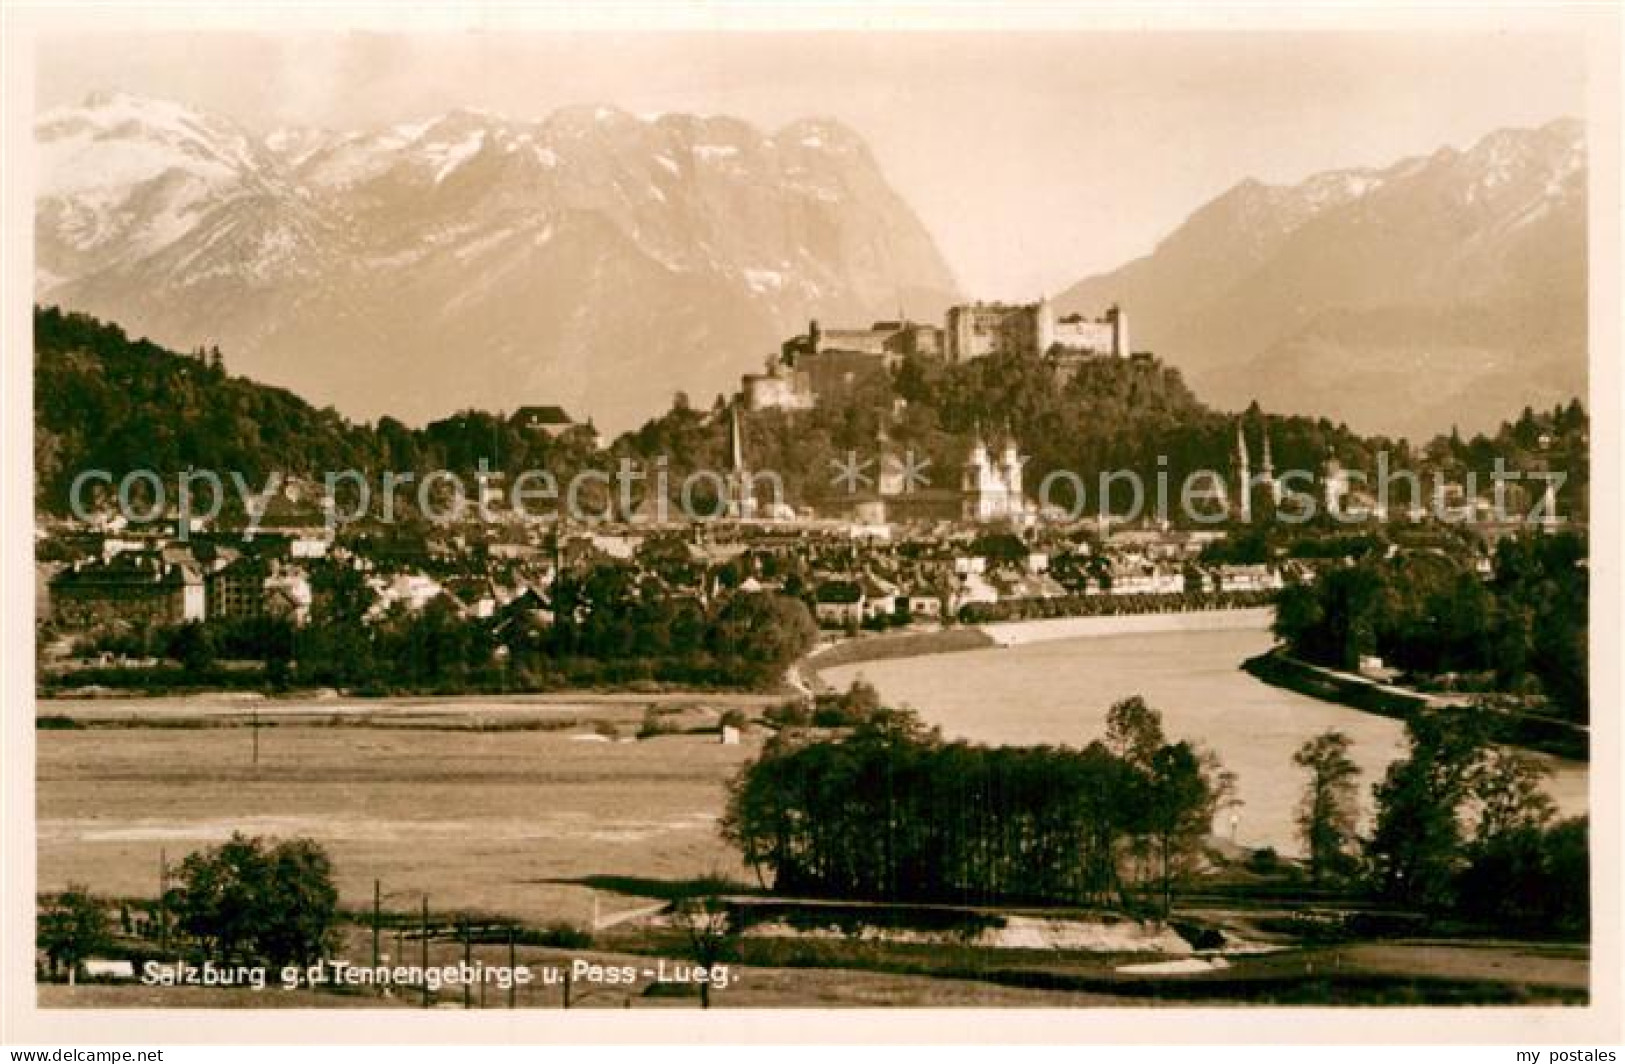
(602, 261)
(592, 259)
(1446, 290)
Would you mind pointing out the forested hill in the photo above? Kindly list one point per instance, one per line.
(1108, 415)
(104, 401)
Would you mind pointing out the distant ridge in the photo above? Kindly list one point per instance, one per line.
(1442, 290)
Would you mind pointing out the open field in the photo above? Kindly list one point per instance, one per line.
(486, 820)
(520, 710)
(522, 809)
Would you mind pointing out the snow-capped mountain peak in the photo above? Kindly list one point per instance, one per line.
(482, 251)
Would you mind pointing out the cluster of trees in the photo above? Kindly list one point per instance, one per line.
(249, 900)
(604, 625)
(1558, 439)
(1462, 828)
(888, 810)
(891, 811)
(72, 927)
(856, 706)
(1431, 613)
(257, 900)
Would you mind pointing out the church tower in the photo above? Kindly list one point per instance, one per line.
(740, 501)
(1012, 472)
(1244, 495)
(1267, 470)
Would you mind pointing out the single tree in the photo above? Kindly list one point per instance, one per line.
(1134, 731)
(711, 931)
(72, 926)
(1416, 848)
(1179, 810)
(1328, 812)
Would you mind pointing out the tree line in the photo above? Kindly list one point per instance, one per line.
(1462, 829)
(601, 624)
(1522, 631)
(884, 809)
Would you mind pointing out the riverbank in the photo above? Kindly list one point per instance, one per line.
(895, 645)
(1280, 669)
(1021, 633)
(886, 647)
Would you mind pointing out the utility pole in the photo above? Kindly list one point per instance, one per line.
(423, 926)
(468, 964)
(513, 984)
(377, 902)
(163, 900)
(255, 728)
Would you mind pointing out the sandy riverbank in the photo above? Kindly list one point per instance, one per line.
(1019, 633)
(806, 675)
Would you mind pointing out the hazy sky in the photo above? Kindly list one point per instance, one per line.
(1033, 159)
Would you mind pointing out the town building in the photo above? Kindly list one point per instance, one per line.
(257, 586)
(132, 587)
(839, 603)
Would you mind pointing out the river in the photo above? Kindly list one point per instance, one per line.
(1058, 692)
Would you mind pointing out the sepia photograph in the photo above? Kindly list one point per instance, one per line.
(1008, 519)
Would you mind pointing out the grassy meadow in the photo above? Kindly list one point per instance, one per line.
(485, 808)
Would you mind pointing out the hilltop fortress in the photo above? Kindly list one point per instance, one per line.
(825, 362)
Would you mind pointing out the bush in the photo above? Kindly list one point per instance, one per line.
(1264, 861)
(56, 722)
(560, 935)
(792, 714)
(655, 723)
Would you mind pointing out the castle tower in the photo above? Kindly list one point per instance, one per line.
(1044, 326)
(1244, 493)
(1120, 341)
